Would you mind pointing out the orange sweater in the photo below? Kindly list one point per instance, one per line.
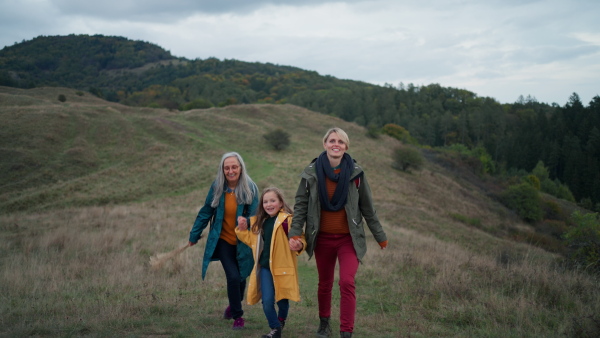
(228, 227)
(334, 222)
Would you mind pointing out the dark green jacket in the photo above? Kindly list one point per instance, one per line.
(359, 206)
(244, 253)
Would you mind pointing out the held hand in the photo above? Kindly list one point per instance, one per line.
(242, 223)
(295, 244)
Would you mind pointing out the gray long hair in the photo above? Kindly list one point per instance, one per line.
(243, 191)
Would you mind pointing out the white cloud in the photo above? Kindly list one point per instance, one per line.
(503, 49)
(592, 38)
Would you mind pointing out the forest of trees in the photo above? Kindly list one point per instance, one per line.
(517, 136)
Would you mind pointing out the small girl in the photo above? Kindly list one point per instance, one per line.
(274, 277)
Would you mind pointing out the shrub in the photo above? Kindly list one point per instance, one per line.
(549, 187)
(229, 102)
(557, 189)
(95, 91)
(460, 148)
(406, 158)
(540, 171)
(524, 200)
(564, 192)
(583, 241)
(554, 188)
(279, 139)
(197, 104)
(477, 158)
(487, 163)
(62, 98)
(533, 180)
(373, 132)
(399, 133)
(79, 93)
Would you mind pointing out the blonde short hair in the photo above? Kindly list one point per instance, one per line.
(342, 134)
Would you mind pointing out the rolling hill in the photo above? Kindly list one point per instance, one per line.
(516, 137)
(91, 189)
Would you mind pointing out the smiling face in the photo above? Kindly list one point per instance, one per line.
(335, 147)
(271, 203)
(232, 170)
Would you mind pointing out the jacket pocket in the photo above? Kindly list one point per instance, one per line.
(357, 222)
(284, 271)
(285, 277)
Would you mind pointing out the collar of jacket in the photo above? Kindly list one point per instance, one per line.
(357, 172)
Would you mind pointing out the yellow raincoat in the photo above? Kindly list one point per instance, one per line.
(283, 261)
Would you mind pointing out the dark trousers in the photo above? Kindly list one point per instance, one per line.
(226, 253)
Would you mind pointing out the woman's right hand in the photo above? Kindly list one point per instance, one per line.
(295, 244)
(192, 244)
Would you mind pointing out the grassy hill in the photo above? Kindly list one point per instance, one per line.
(512, 137)
(91, 189)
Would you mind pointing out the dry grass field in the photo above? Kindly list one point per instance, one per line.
(90, 190)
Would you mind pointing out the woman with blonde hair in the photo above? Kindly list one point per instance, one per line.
(332, 199)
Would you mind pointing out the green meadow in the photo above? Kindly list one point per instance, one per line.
(91, 189)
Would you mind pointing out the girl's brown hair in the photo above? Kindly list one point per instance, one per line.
(261, 213)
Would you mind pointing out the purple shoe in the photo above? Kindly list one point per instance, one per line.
(227, 313)
(238, 324)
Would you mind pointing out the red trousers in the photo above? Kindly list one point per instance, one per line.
(331, 248)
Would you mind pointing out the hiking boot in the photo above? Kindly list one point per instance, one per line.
(282, 322)
(238, 324)
(275, 333)
(227, 313)
(324, 329)
(345, 334)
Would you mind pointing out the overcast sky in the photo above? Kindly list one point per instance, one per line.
(497, 48)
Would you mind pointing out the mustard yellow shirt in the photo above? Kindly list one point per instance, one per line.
(229, 219)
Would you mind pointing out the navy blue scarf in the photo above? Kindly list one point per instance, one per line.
(323, 168)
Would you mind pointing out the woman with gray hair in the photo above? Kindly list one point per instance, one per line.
(232, 194)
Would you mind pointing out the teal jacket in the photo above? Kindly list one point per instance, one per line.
(244, 253)
(359, 206)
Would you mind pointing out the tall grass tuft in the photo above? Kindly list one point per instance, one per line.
(159, 260)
